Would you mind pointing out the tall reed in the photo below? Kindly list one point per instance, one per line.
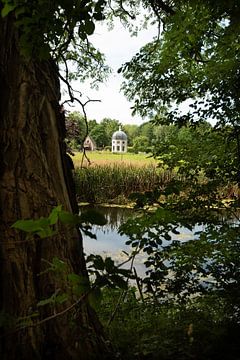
(106, 183)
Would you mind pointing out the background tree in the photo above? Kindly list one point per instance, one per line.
(110, 125)
(140, 144)
(76, 130)
(132, 131)
(92, 124)
(102, 132)
(147, 129)
(100, 136)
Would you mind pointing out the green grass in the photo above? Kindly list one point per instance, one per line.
(106, 157)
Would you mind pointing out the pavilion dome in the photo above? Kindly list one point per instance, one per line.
(119, 135)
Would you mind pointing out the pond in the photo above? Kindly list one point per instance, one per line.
(110, 243)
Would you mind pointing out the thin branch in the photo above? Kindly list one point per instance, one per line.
(126, 12)
(138, 284)
(51, 317)
(124, 292)
(159, 5)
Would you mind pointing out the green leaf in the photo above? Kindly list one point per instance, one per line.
(98, 16)
(53, 217)
(68, 218)
(46, 232)
(19, 11)
(119, 281)
(30, 225)
(74, 278)
(46, 301)
(62, 298)
(59, 265)
(7, 9)
(99, 263)
(167, 237)
(89, 27)
(109, 265)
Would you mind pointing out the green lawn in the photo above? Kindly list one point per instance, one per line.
(106, 157)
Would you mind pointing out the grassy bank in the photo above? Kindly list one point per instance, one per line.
(112, 177)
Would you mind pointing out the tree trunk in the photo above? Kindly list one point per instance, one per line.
(34, 177)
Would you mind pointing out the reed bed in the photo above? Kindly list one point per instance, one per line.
(114, 183)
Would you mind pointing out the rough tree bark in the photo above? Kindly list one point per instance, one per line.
(34, 177)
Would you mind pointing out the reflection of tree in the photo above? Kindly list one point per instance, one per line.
(115, 216)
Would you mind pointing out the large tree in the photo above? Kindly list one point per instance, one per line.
(35, 176)
(191, 71)
(195, 57)
(36, 37)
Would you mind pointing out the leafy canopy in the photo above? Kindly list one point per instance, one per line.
(196, 57)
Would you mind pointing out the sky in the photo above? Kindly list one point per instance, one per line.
(118, 47)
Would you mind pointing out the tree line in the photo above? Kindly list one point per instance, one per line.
(140, 137)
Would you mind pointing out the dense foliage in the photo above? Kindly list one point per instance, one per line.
(146, 330)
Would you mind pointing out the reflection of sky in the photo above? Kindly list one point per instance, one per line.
(106, 241)
(110, 243)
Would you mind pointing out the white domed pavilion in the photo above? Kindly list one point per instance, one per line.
(119, 141)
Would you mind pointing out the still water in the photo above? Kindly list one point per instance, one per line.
(110, 243)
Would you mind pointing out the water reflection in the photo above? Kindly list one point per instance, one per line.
(110, 243)
(108, 238)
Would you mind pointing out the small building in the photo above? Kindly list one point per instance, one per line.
(89, 144)
(119, 141)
